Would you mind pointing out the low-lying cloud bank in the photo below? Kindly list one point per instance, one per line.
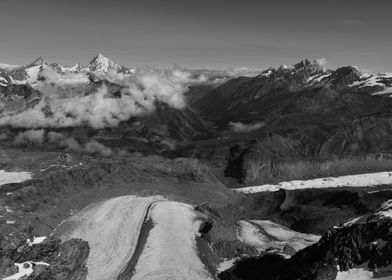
(137, 95)
(40, 137)
(72, 99)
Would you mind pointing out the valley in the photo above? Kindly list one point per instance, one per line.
(135, 173)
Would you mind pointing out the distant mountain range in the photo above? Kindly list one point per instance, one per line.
(10, 74)
(295, 112)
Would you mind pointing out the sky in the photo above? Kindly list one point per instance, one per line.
(199, 33)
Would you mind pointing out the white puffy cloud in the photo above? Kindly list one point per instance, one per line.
(30, 136)
(94, 147)
(61, 107)
(322, 62)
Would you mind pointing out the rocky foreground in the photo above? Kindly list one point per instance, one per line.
(364, 243)
(49, 259)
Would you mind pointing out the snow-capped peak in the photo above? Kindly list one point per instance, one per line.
(37, 62)
(104, 64)
(77, 67)
(101, 62)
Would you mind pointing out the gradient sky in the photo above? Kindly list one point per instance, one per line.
(199, 33)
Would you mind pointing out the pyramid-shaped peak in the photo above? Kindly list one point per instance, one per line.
(319, 63)
(100, 58)
(302, 63)
(38, 61)
(102, 63)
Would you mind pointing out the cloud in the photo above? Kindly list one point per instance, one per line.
(30, 136)
(138, 95)
(70, 144)
(93, 147)
(71, 99)
(239, 127)
(321, 62)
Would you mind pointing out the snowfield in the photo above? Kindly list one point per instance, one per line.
(170, 251)
(13, 177)
(359, 180)
(112, 230)
(264, 234)
(163, 231)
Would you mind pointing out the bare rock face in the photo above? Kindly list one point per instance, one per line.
(66, 261)
(367, 244)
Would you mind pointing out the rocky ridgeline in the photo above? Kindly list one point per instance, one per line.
(66, 261)
(367, 244)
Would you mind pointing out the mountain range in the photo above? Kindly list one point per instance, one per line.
(110, 172)
(299, 112)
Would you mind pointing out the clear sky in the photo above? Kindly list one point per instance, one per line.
(199, 33)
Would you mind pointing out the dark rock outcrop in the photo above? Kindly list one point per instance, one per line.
(368, 244)
(67, 261)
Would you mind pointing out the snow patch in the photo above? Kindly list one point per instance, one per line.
(36, 240)
(24, 270)
(32, 72)
(239, 127)
(226, 264)
(385, 210)
(352, 221)
(371, 80)
(359, 180)
(320, 78)
(170, 251)
(362, 272)
(13, 177)
(355, 274)
(265, 234)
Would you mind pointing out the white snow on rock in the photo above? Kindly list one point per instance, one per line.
(386, 90)
(376, 81)
(318, 78)
(362, 272)
(36, 240)
(112, 229)
(24, 269)
(354, 274)
(32, 72)
(359, 180)
(13, 177)
(352, 221)
(226, 264)
(264, 234)
(170, 251)
(103, 64)
(384, 211)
